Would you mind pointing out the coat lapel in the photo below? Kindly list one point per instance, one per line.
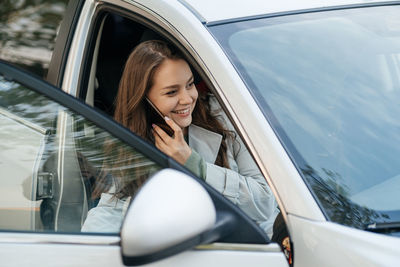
(204, 142)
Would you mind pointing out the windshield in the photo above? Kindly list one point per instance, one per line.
(329, 84)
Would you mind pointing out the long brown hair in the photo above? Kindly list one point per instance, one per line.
(136, 81)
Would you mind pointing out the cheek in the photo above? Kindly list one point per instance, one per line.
(167, 106)
(164, 104)
(194, 95)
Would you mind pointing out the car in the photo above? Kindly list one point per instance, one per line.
(312, 89)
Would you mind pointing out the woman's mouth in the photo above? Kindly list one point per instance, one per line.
(182, 112)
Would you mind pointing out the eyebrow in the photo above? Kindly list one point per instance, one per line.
(177, 85)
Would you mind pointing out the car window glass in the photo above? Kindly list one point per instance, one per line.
(28, 30)
(333, 102)
(56, 165)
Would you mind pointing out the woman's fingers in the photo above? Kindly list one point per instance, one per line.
(177, 129)
(160, 132)
(161, 145)
(159, 142)
(176, 147)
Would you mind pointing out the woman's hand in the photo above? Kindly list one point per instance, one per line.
(176, 146)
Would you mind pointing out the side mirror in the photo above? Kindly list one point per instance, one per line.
(171, 213)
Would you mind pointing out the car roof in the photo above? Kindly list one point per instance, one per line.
(220, 10)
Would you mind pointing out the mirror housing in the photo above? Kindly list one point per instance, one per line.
(171, 213)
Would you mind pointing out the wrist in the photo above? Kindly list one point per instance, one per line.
(187, 156)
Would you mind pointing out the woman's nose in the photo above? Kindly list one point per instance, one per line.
(185, 98)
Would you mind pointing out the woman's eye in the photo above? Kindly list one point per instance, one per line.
(190, 85)
(172, 92)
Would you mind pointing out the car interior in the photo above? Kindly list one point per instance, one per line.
(117, 37)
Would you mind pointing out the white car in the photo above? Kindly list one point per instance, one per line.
(311, 87)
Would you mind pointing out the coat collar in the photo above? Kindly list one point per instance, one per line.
(204, 142)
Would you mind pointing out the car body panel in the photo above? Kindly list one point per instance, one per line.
(331, 244)
(213, 11)
(72, 255)
(87, 250)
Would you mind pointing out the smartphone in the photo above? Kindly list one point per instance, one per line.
(155, 116)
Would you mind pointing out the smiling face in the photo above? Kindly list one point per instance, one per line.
(173, 91)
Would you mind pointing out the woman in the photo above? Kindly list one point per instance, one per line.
(202, 139)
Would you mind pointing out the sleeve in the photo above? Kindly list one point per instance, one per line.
(245, 186)
(107, 217)
(196, 164)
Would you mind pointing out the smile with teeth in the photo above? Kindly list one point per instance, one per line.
(182, 111)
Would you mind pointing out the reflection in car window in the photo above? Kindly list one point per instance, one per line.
(329, 83)
(28, 30)
(56, 165)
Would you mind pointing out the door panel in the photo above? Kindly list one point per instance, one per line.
(94, 255)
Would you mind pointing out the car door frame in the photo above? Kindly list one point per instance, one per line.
(63, 42)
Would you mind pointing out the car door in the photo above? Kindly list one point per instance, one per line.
(53, 150)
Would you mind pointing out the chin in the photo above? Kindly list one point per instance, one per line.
(184, 124)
